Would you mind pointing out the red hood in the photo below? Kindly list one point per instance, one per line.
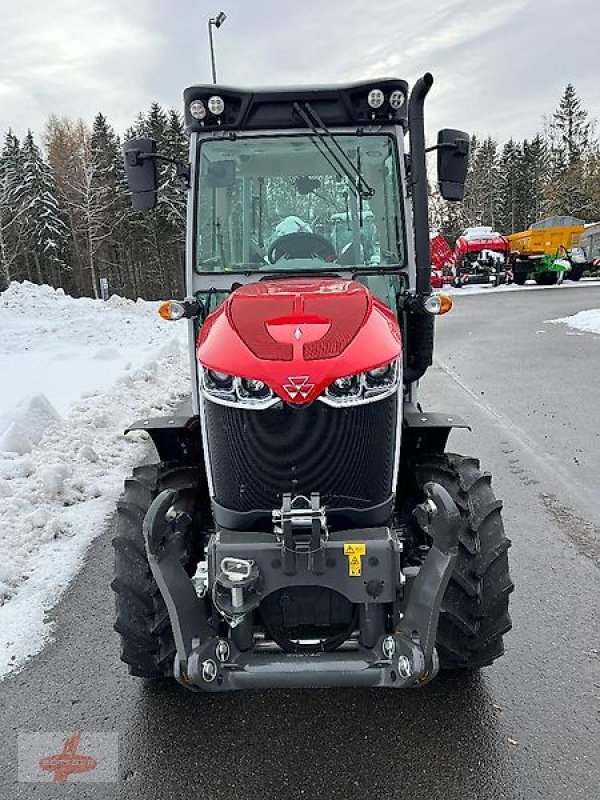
(497, 243)
(306, 331)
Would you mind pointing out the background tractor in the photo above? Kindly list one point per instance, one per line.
(304, 525)
(481, 255)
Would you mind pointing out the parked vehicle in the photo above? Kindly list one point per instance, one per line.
(481, 256)
(305, 525)
(544, 251)
(442, 260)
(589, 246)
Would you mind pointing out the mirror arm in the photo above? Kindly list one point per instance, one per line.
(458, 145)
(182, 169)
(445, 146)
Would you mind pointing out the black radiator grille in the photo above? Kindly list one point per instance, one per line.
(344, 454)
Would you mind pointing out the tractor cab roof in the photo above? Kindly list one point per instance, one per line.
(210, 107)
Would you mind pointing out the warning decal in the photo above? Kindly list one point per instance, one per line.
(354, 552)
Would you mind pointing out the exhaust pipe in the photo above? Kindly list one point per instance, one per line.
(418, 169)
(419, 328)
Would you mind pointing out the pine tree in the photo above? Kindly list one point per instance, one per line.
(12, 209)
(107, 185)
(571, 144)
(482, 201)
(46, 230)
(511, 213)
(534, 176)
(571, 127)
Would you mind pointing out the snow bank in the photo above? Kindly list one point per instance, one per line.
(587, 321)
(531, 286)
(93, 367)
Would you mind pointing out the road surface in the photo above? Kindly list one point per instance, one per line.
(524, 728)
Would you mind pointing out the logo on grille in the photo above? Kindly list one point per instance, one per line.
(299, 385)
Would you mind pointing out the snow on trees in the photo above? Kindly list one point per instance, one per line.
(66, 219)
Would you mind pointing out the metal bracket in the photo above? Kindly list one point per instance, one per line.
(439, 517)
(187, 611)
(293, 521)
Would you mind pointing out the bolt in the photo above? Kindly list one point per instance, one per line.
(429, 506)
(388, 647)
(404, 667)
(222, 651)
(209, 670)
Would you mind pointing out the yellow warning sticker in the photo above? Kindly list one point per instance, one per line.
(355, 549)
(354, 552)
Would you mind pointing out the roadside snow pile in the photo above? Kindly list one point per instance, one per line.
(75, 373)
(587, 321)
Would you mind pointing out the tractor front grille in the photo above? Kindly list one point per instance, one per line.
(345, 454)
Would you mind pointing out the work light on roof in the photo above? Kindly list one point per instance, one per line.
(397, 99)
(198, 109)
(216, 106)
(375, 98)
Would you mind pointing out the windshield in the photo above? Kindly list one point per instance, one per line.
(284, 203)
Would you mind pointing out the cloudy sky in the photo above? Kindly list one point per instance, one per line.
(498, 66)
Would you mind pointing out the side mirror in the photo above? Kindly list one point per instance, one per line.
(452, 163)
(140, 170)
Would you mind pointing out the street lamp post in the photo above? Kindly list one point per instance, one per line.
(215, 22)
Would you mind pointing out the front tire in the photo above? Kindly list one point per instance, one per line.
(474, 615)
(142, 620)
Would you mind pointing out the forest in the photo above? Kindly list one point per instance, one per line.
(66, 219)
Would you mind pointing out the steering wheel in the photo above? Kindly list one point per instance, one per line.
(301, 245)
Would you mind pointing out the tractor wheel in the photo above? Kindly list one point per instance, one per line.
(575, 273)
(520, 278)
(546, 278)
(142, 621)
(474, 615)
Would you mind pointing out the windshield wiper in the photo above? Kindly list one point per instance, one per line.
(330, 143)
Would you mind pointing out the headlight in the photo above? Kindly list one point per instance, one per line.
(380, 374)
(365, 387)
(346, 388)
(219, 380)
(229, 390)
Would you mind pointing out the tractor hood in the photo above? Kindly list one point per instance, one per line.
(298, 335)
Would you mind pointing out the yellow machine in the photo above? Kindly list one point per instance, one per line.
(544, 250)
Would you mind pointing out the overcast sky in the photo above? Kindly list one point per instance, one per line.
(498, 66)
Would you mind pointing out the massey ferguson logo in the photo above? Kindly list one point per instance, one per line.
(299, 386)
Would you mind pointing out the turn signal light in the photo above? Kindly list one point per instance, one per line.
(171, 309)
(438, 304)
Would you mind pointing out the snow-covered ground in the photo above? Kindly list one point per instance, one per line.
(530, 286)
(586, 321)
(74, 374)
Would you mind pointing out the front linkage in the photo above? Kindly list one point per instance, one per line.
(242, 569)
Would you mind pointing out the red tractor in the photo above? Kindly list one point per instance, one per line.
(481, 255)
(304, 525)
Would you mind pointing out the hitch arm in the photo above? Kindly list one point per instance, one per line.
(439, 517)
(186, 610)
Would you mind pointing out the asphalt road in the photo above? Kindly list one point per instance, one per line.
(525, 728)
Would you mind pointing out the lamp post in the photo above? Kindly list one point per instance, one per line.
(215, 22)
